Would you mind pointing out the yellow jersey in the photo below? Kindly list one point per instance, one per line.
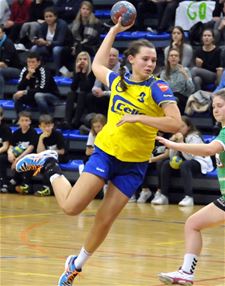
(132, 142)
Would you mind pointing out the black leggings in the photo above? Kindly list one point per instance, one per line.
(187, 169)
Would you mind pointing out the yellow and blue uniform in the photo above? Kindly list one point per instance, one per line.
(130, 143)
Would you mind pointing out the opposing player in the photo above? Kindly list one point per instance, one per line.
(139, 106)
(212, 214)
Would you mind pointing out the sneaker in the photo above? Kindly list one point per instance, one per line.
(4, 188)
(156, 196)
(44, 192)
(70, 272)
(144, 196)
(178, 278)
(161, 200)
(22, 189)
(132, 199)
(35, 162)
(186, 202)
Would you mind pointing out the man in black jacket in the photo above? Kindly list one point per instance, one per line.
(9, 62)
(36, 87)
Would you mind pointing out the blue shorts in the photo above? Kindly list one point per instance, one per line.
(126, 176)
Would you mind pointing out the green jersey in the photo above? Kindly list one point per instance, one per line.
(220, 161)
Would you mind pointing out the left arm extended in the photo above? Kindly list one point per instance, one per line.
(170, 123)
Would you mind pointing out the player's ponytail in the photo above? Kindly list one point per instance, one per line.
(122, 72)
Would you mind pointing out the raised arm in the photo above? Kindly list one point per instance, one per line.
(100, 62)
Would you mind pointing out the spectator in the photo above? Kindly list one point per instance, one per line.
(221, 84)
(4, 12)
(144, 9)
(219, 21)
(190, 165)
(177, 41)
(9, 62)
(101, 92)
(67, 9)
(50, 139)
(5, 139)
(30, 29)
(166, 10)
(83, 80)
(20, 13)
(54, 36)
(24, 141)
(36, 85)
(207, 67)
(178, 77)
(86, 29)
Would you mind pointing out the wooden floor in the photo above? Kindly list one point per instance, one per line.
(36, 237)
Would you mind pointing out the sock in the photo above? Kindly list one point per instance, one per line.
(82, 258)
(53, 177)
(190, 262)
(51, 167)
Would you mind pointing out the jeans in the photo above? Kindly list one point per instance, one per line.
(187, 169)
(6, 74)
(202, 76)
(46, 51)
(43, 100)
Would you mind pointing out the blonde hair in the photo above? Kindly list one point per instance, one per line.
(86, 54)
(92, 19)
(97, 118)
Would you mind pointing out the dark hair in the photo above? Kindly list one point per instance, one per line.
(192, 127)
(34, 55)
(211, 31)
(2, 28)
(180, 48)
(25, 113)
(52, 10)
(133, 49)
(1, 111)
(167, 66)
(46, 118)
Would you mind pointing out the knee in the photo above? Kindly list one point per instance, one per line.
(72, 210)
(38, 96)
(191, 224)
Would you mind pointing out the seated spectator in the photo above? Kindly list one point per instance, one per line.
(53, 37)
(24, 141)
(67, 10)
(178, 41)
(186, 165)
(50, 139)
(207, 62)
(9, 61)
(219, 21)
(4, 12)
(5, 139)
(30, 29)
(86, 29)
(144, 9)
(101, 92)
(178, 78)
(83, 80)
(20, 13)
(36, 87)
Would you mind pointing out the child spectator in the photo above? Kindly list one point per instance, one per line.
(36, 85)
(5, 138)
(50, 139)
(189, 165)
(24, 141)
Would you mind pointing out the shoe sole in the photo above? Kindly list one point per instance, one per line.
(170, 281)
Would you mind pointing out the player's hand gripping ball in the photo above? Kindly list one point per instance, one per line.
(123, 9)
(175, 162)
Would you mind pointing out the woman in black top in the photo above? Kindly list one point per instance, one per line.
(207, 69)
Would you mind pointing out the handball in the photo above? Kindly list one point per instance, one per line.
(123, 9)
(175, 162)
(17, 150)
